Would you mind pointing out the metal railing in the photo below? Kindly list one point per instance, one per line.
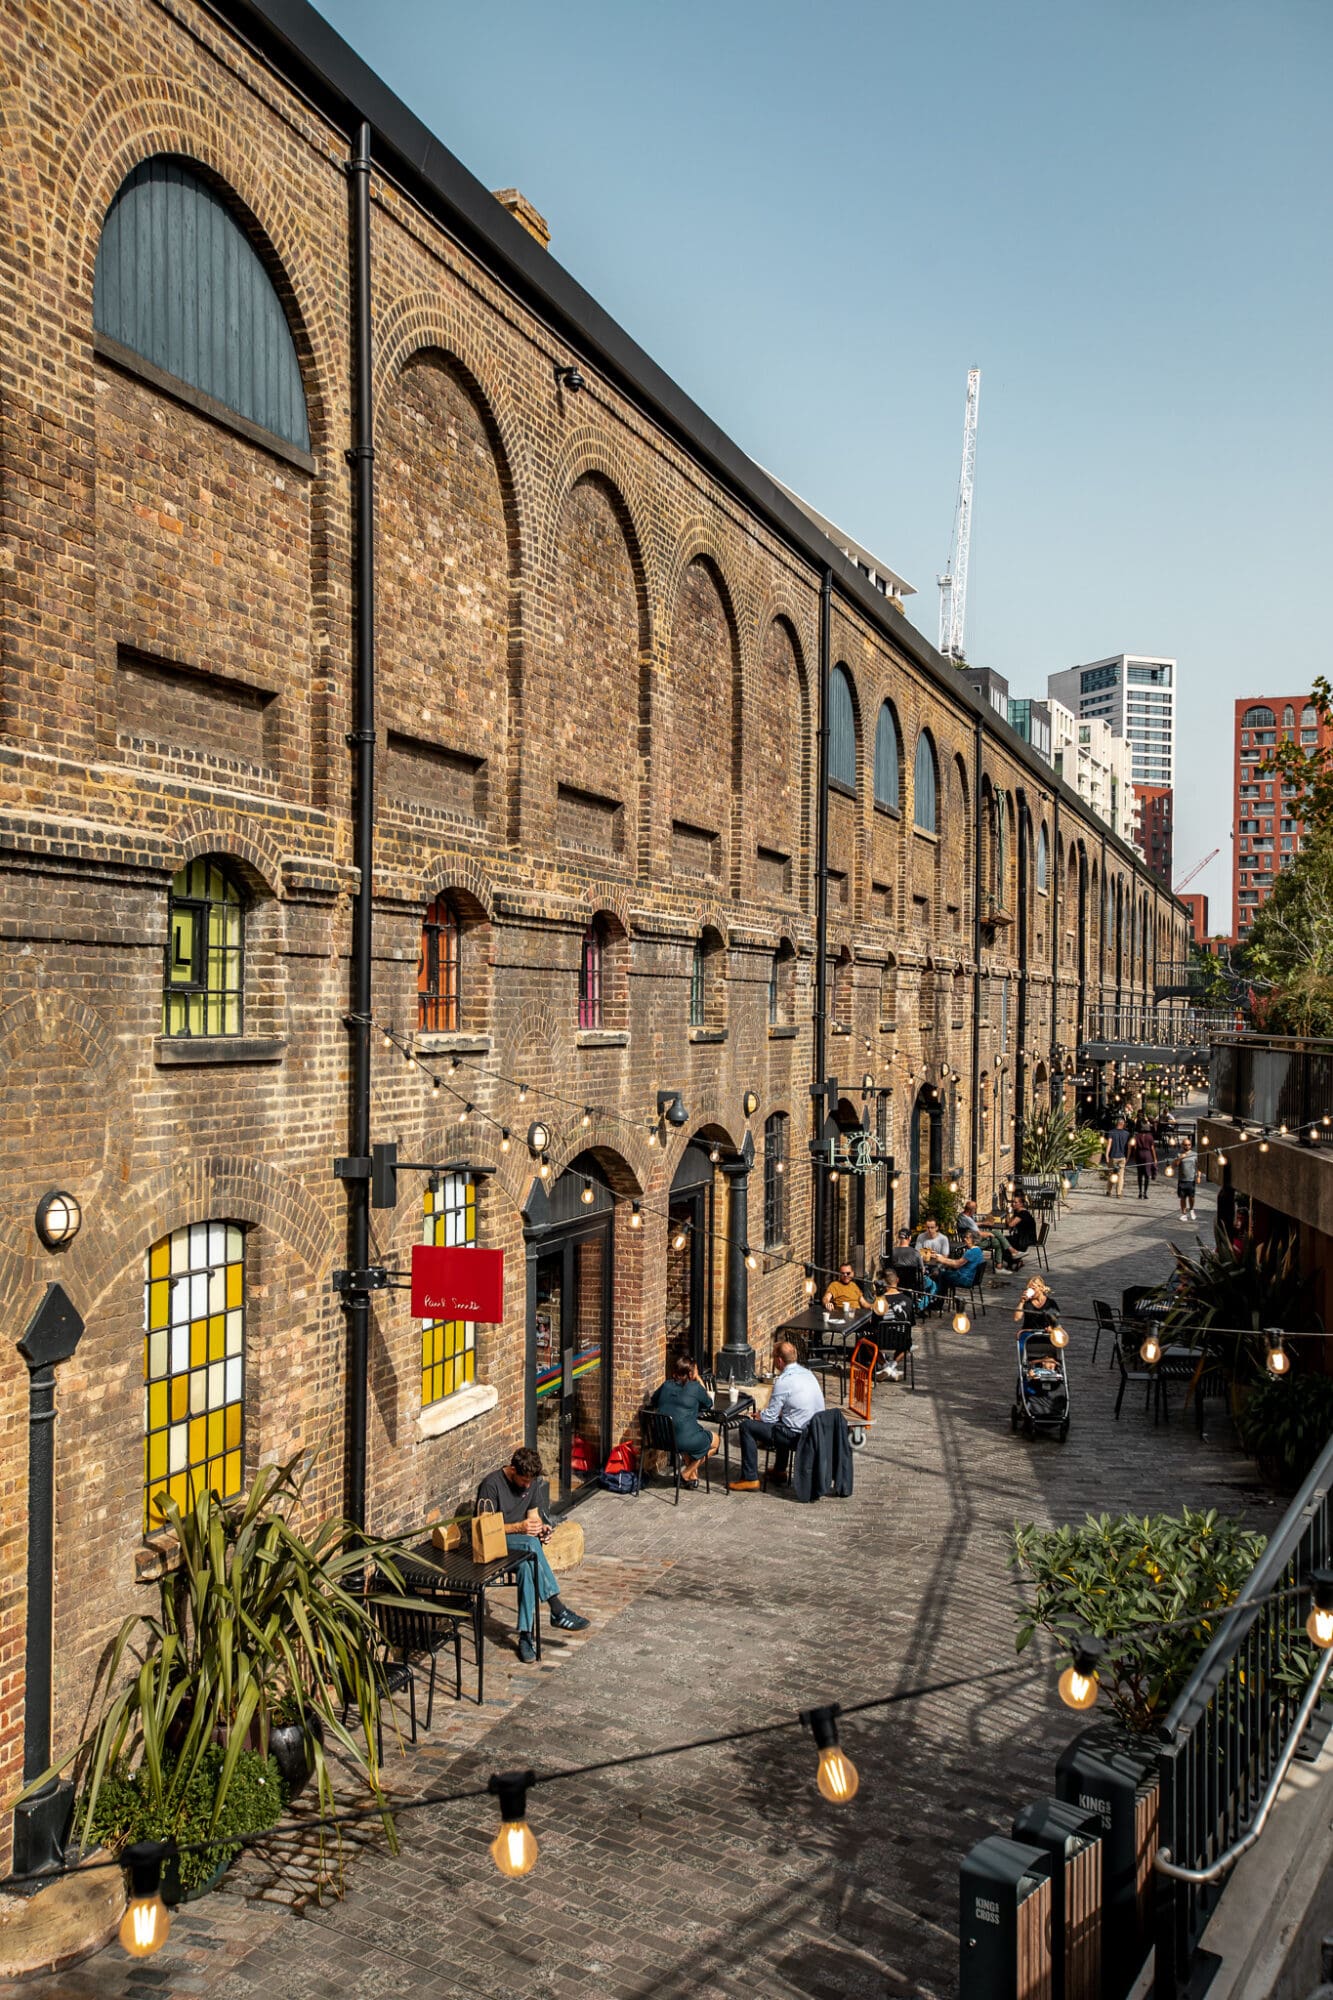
(1229, 1727)
(1272, 1080)
(1158, 1024)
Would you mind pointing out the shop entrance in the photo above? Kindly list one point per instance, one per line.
(926, 1140)
(689, 1291)
(571, 1257)
(845, 1203)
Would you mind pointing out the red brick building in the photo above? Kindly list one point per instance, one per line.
(1267, 829)
(1197, 905)
(1155, 829)
(604, 644)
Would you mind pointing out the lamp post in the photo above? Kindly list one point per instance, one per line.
(735, 1360)
(41, 1824)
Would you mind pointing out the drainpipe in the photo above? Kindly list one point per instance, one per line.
(821, 916)
(1021, 1032)
(1057, 895)
(361, 457)
(977, 843)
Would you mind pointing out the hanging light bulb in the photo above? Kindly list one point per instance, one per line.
(680, 1239)
(837, 1776)
(586, 1197)
(1077, 1685)
(514, 1849)
(587, 1119)
(1221, 1159)
(881, 1305)
(715, 1155)
(1066, 1183)
(545, 1168)
(635, 1216)
(1278, 1361)
(1204, 1141)
(434, 1084)
(833, 1173)
(522, 1093)
(1059, 1336)
(465, 1113)
(896, 1182)
(751, 1261)
(144, 1926)
(1319, 1624)
(1281, 1131)
(1169, 1173)
(454, 1065)
(953, 1186)
(387, 1039)
(1151, 1350)
(652, 1135)
(961, 1323)
(810, 1287)
(779, 1166)
(1263, 1145)
(504, 1138)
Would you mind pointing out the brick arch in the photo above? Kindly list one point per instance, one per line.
(423, 323)
(612, 900)
(588, 453)
(138, 116)
(231, 837)
(447, 870)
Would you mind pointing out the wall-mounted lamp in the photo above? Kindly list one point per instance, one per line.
(750, 1101)
(58, 1219)
(569, 378)
(539, 1137)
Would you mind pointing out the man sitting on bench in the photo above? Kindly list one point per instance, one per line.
(796, 1398)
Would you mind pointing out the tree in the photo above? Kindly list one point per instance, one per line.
(1292, 935)
(1311, 771)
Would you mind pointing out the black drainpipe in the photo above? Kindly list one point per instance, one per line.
(821, 919)
(356, 1299)
(1021, 1034)
(978, 842)
(1055, 889)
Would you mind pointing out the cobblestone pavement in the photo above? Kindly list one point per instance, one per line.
(722, 1873)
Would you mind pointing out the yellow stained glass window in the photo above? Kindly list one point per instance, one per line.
(448, 1347)
(194, 1366)
(205, 938)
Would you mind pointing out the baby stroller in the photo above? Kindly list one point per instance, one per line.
(1041, 1396)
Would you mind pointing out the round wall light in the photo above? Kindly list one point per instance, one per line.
(58, 1219)
(751, 1103)
(539, 1137)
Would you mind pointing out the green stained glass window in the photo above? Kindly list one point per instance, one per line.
(205, 940)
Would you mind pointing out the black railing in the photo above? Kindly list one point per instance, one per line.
(1272, 1080)
(1226, 1730)
(1158, 1024)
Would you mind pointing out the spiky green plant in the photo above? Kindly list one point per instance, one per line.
(1224, 1298)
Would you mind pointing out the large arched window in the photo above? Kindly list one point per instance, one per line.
(886, 758)
(194, 1366)
(438, 992)
(180, 285)
(1258, 718)
(590, 974)
(925, 786)
(1043, 861)
(205, 952)
(448, 1346)
(841, 730)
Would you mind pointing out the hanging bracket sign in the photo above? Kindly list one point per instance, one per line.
(457, 1283)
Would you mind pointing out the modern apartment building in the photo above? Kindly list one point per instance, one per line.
(1267, 829)
(1032, 721)
(1099, 767)
(1155, 828)
(1197, 905)
(1135, 695)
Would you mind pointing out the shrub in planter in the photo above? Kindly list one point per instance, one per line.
(1286, 1424)
(1119, 1571)
(943, 1205)
(174, 1806)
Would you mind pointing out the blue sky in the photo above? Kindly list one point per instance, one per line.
(818, 219)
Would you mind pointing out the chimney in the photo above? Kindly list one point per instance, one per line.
(523, 211)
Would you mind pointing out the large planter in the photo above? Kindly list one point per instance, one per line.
(173, 1894)
(289, 1747)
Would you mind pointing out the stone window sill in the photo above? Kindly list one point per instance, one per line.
(888, 1027)
(437, 1044)
(708, 1034)
(602, 1038)
(460, 1408)
(782, 1031)
(157, 1556)
(190, 1051)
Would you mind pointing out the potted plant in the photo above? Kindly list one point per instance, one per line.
(1225, 1297)
(262, 1620)
(166, 1804)
(1286, 1423)
(943, 1203)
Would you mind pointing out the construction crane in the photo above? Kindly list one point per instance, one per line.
(1197, 869)
(953, 584)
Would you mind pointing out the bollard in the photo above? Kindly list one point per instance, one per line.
(1004, 1934)
(1104, 1773)
(1071, 1840)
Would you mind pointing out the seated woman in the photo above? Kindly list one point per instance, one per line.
(681, 1397)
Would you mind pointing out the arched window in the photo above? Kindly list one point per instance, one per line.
(179, 284)
(449, 1347)
(205, 950)
(1001, 850)
(1258, 718)
(841, 730)
(590, 974)
(1043, 861)
(194, 1366)
(438, 993)
(1309, 716)
(775, 1180)
(886, 758)
(925, 785)
(1288, 717)
(697, 975)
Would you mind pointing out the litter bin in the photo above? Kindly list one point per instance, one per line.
(1071, 1840)
(1103, 1773)
(1004, 1934)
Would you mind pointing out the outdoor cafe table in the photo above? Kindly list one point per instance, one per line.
(828, 1343)
(454, 1574)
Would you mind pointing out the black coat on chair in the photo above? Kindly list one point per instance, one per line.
(823, 1461)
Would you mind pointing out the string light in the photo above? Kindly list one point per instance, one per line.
(1059, 1336)
(434, 1085)
(147, 1920)
(587, 1196)
(504, 1139)
(1277, 1361)
(586, 1119)
(465, 1113)
(810, 1286)
(836, 1776)
(1151, 1350)
(715, 1155)
(961, 1323)
(680, 1239)
(545, 1168)
(1077, 1685)
(1319, 1624)
(636, 1217)
(514, 1849)
(522, 1093)
(751, 1261)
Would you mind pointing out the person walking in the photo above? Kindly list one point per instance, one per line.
(1114, 1154)
(1143, 1149)
(1187, 1176)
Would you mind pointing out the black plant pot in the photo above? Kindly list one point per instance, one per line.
(289, 1747)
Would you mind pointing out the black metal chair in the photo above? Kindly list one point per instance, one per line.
(1042, 1254)
(1155, 1387)
(658, 1433)
(1106, 1323)
(893, 1337)
(416, 1625)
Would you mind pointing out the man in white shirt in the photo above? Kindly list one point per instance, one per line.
(932, 1241)
(796, 1398)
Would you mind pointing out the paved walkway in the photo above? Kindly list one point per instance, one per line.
(723, 1874)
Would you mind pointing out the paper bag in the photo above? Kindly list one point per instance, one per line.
(448, 1535)
(488, 1537)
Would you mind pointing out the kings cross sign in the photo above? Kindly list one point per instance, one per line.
(457, 1283)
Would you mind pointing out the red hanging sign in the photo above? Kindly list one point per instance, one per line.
(457, 1283)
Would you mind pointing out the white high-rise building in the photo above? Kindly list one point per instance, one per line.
(1135, 695)
(1098, 766)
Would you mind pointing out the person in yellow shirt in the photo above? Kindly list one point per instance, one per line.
(844, 1291)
